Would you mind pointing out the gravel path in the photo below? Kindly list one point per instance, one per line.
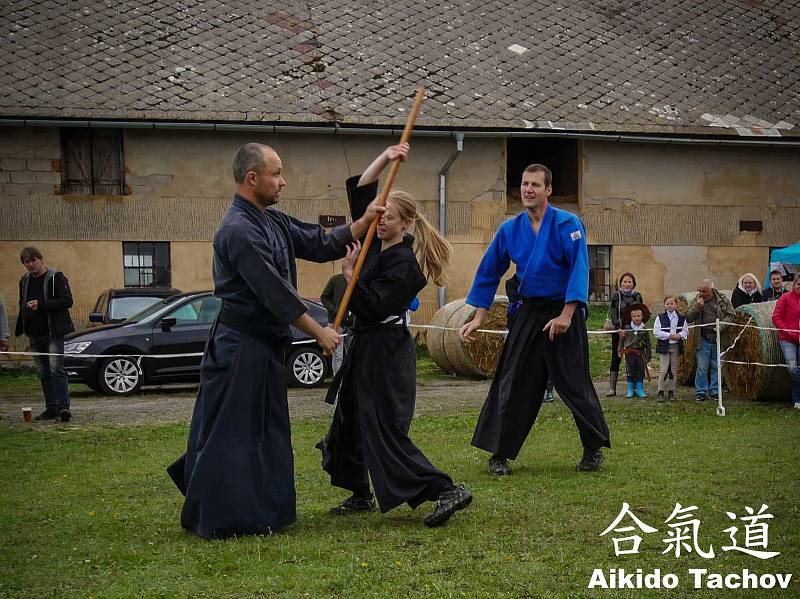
(174, 404)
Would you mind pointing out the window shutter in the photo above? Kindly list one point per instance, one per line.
(77, 161)
(107, 161)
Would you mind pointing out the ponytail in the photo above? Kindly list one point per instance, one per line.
(432, 250)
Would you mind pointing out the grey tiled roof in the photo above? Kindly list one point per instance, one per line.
(693, 66)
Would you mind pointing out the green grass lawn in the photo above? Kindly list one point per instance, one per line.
(599, 345)
(90, 512)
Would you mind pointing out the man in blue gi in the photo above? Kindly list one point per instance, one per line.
(238, 473)
(548, 335)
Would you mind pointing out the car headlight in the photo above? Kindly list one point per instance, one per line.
(76, 348)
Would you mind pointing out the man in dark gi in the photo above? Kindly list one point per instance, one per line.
(548, 334)
(238, 474)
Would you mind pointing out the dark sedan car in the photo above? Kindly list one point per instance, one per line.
(116, 305)
(178, 324)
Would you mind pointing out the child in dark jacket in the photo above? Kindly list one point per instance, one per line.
(636, 348)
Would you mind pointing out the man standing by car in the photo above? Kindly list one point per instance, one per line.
(238, 474)
(331, 298)
(44, 302)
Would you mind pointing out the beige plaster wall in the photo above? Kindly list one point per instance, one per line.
(163, 167)
(190, 262)
(198, 163)
(174, 167)
(675, 269)
(618, 173)
(315, 168)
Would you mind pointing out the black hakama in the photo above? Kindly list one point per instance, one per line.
(238, 470)
(527, 360)
(368, 438)
(237, 473)
(375, 389)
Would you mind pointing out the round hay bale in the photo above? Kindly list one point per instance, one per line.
(435, 337)
(756, 345)
(477, 359)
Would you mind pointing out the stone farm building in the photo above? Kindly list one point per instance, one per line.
(673, 128)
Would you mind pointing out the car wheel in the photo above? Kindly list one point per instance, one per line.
(307, 367)
(119, 376)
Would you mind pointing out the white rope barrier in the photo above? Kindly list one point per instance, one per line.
(755, 364)
(604, 332)
(592, 332)
(71, 355)
(156, 356)
(735, 341)
(503, 332)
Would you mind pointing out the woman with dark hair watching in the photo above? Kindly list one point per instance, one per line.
(624, 296)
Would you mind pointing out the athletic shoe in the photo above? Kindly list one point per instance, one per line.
(797, 405)
(65, 415)
(591, 461)
(714, 397)
(499, 466)
(48, 414)
(354, 505)
(548, 396)
(447, 504)
(670, 396)
(660, 396)
(701, 397)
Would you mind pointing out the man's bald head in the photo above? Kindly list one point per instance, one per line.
(251, 157)
(257, 170)
(706, 289)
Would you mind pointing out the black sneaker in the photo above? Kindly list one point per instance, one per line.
(65, 415)
(354, 505)
(48, 414)
(660, 396)
(714, 397)
(499, 466)
(670, 396)
(591, 461)
(448, 503)
(701, 397)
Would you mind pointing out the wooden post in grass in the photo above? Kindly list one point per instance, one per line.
(387, 186)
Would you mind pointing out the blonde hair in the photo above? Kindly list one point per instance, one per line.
(431, 249)
(752, 276)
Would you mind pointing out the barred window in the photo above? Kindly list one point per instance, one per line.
(599, 273)
(146, 263)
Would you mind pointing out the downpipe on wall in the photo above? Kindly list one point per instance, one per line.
(459, 137)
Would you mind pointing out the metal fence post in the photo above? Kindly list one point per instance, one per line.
(720, 407)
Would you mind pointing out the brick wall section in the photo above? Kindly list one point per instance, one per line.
(30, 161)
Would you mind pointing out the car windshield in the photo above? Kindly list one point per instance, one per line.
(154, 310)
(123, 307)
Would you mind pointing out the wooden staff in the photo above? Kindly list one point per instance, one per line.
(373, 227)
